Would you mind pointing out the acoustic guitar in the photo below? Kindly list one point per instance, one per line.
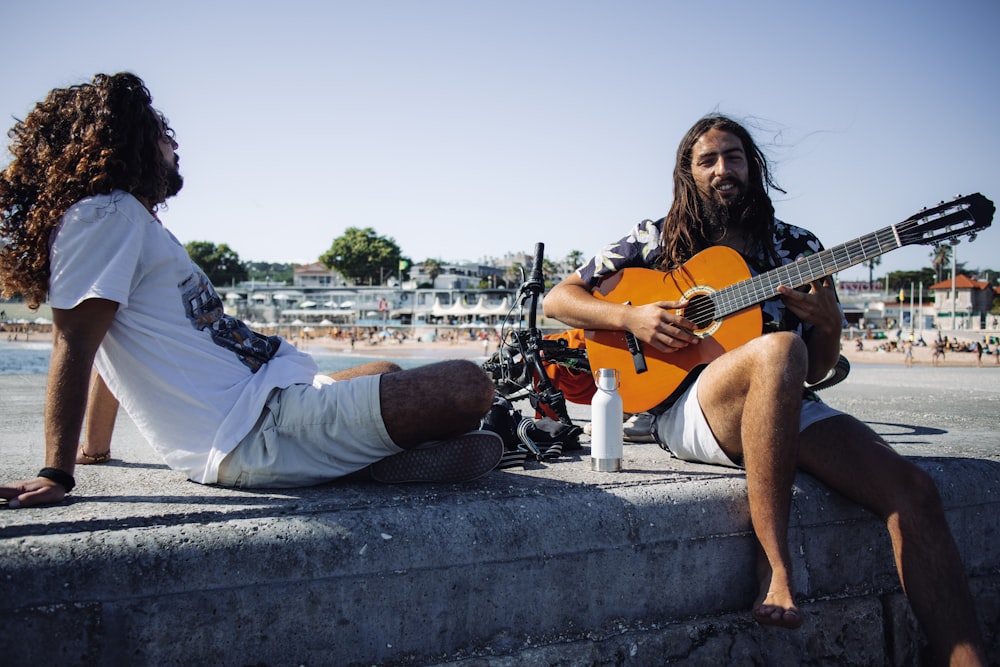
(724, 298)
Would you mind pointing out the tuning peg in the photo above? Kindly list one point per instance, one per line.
(972, 236)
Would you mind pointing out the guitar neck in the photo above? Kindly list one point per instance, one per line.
(760, 288)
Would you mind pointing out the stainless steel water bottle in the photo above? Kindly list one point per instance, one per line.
(606, 423)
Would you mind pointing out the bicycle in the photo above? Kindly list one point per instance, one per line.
(517, 368)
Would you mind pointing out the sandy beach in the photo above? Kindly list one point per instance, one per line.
(389, 348)
(474, 349)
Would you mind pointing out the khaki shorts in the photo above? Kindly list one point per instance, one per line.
(684, 432)
(311, 434)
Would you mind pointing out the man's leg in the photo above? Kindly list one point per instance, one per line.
(751, 398)
(102, 412)
(370, 368)
(434, 402)
(439, 406)
(853, 460)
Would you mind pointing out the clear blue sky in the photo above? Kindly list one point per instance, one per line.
(467, 129)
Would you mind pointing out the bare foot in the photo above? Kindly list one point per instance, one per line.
(775, 605)
(778, 616)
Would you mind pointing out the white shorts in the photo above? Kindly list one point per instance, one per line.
(684, 432)
(311, 434)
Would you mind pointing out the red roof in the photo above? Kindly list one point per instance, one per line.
(961, 282)
(315, 267)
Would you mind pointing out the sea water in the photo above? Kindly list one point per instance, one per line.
(32, 358)
(24, 358)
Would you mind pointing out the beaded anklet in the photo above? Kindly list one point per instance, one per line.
(96, 458)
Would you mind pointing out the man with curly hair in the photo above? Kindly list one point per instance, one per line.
(91, 166)
(747, 407)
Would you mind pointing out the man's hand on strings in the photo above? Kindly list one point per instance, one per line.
(660, 325)
(816, 306)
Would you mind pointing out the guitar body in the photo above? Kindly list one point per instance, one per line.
(669, 373)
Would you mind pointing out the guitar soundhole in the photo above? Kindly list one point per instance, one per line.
(701, 311)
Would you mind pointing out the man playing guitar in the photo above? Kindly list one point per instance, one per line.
(746, 406)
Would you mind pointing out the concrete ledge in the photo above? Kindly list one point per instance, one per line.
(551, 565)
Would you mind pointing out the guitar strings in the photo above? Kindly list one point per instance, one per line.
(707, 306)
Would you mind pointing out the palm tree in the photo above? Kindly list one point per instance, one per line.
(940, 259)
(549, 271)
(432, 268)
(871, 264)
(514, 274)
(574, 259)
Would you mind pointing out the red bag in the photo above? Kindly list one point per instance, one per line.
(577, 386)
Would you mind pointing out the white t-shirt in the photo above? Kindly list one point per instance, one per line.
(193, 379)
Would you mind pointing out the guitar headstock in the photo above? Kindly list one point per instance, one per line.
(961, 216)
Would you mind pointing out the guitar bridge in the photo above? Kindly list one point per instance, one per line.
(635, 349)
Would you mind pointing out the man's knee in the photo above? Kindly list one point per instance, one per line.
(780, 352)
(460, 383)
(918, 494)
(474, 384)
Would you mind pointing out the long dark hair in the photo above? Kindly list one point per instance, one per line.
(79, 141)
(685, 229)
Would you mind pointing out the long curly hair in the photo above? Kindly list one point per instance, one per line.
(685, 231)
(84, 140)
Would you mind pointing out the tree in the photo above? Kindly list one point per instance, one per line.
(220, 263)
(871, 264)
(549, 272)
(363, 256)
(940, 260)
(275, 272)
(432, 267)
(903, 280)
(514, 275)
(574, 259)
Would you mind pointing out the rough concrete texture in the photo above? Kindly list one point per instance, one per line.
(551, 565)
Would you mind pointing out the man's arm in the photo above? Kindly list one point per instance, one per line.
(572, 303)
(77, 334)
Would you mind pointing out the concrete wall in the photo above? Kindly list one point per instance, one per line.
(552, 565)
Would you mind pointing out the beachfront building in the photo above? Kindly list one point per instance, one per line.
(460, 295)
(871, 307)
(315, 275)
(463, 275)
(965, 305)
(420, 312)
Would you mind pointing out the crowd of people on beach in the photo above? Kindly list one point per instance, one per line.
(987, 346)
(375, 336)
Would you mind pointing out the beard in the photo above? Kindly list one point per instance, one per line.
(173, 182)
(718, 216)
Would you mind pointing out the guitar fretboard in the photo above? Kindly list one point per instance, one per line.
(760, 288)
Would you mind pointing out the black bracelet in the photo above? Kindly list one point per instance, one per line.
(60, 477)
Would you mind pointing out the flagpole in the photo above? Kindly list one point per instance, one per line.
(912, 326)
(921, 310)
(954, 248)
